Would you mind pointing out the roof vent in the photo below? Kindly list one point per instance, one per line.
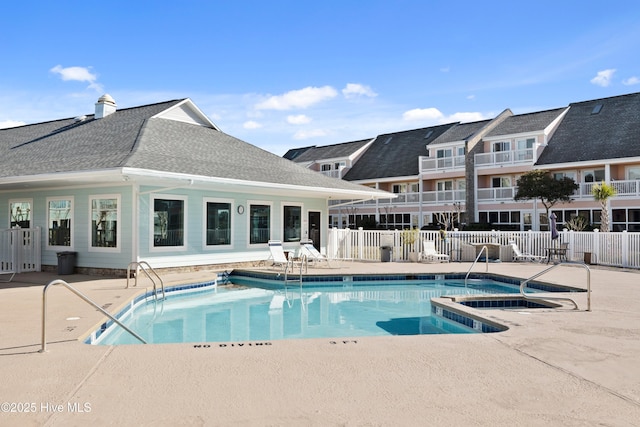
(105, 106)
(428, 134)
(80, 119)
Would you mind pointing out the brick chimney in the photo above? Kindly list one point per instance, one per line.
(105, 106)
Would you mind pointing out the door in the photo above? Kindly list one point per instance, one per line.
(314, 228)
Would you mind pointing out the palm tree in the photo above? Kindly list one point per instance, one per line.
(602, 192)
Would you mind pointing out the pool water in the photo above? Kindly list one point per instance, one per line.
(261, 313)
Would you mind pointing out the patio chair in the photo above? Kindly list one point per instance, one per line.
(277, 255)
(307, 248)
(429, 253)
(518, 255)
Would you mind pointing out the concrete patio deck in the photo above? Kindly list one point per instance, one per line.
(551, 367)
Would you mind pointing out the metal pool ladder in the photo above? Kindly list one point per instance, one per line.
(303, 262)
(143, 266)
(83, 297)
(524, 283)
(486, 259)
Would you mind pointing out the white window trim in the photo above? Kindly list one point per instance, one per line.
(234, 216)
(71, 217)
(248, 222)
(30, 201)
(152, 202)
(118, 247)
(302, 219)
(628, 170)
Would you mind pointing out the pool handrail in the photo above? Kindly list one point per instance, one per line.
(486, 259)
(83, 297)
(535, 276)
(303, 262)
(140, 265)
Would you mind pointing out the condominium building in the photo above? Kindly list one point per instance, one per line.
(457, 174)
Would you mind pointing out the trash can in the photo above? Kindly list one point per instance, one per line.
(385, 253)
(587, 257)
(66, 262)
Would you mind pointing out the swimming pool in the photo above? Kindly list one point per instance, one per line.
(259, 308)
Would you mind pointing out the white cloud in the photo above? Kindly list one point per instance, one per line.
(603, 78)
(432, 114)
(353, 90)
(307, 134)
(631, 81)
(471, 97)
(466, 117)
(301, 98)
(10, 124)
(78, 74)
(300, 119)
(251, 125)
(445, 69)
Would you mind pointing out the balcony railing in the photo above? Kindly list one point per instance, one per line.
(496, 194)
(332, 173)
(502, 158)
(626, 188)
(428, 164)
(447, 196)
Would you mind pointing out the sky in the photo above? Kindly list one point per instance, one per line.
(289, 74)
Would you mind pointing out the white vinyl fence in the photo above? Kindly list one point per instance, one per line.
(20, 250)
(620, 249)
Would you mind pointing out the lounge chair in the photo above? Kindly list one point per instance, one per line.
(307, 248)
(429, 253)
(519, 256)
(277, 254)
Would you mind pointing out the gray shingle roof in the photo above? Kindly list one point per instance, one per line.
(522, 123)
(132, 138)
(344, 149)
(395, 154)
(460, 132)
(612, 133)
(66, 145)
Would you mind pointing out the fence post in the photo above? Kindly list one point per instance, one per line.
(625, 248)
(596, 245)
(360, 243)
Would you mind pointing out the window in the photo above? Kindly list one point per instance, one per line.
(59, 221)
(525, 149)
(325, 167)
(596, 175)
(104, 221)
(444, 185)
(633, 172)
(218, 222)
(501, 146)
(20, 214)
(561, 175)
(500, 181)
(292, 222)
(259, 223)
(444, 157)
(168, 222)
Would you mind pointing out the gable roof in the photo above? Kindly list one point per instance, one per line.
(344, 149)
(395, 154)
(153, 142)
(295, 152)
(524, 123)
(586, 134)
(460, 132)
